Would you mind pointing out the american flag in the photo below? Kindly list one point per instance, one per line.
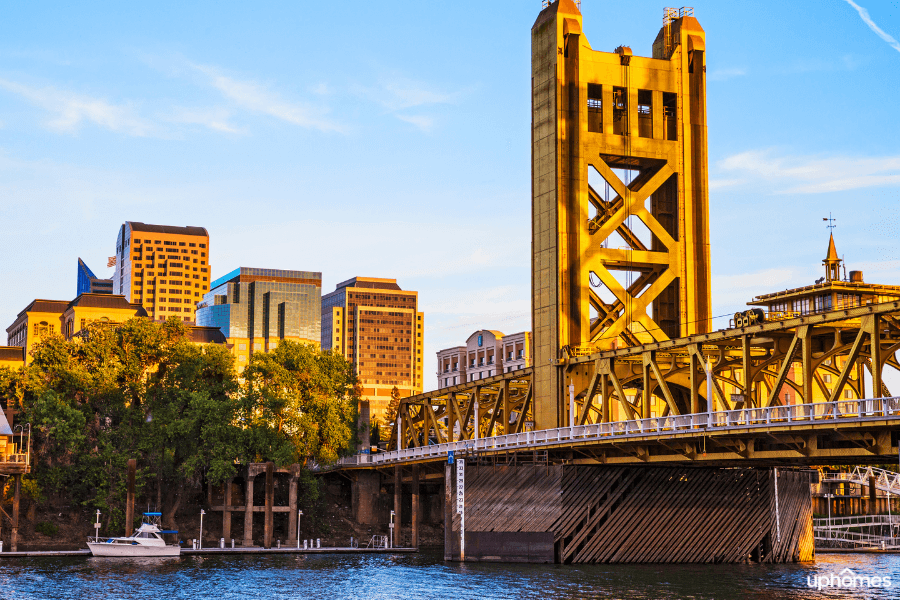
(111, 262)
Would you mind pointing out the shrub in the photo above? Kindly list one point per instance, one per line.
(47, 528)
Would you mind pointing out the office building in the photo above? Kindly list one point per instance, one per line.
(163, 268)
(487, 353)
(378, 327)
(258, 308)
(88, 283)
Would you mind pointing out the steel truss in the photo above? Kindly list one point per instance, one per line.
(802, 360)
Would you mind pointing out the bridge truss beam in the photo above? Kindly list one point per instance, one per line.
(810, 359)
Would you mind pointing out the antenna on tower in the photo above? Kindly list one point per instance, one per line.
(831, 221)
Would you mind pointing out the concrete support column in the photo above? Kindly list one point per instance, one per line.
(292, 502)
(414, 517)
(398, 496)
(448, 515)
(129, 498)
(226, 514)
(14, 536)
(364, 422)
(270, 501)
(248, 511)
(364, 489)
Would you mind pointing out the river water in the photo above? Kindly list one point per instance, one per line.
(425, 575)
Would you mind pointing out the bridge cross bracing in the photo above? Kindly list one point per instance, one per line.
(816, 361)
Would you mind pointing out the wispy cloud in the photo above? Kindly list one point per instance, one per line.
(811, 175)
(397, 94)
(70, 109)
(724, 74)
(864, 15)
(255, 97)
(422, 123)
(216, 119)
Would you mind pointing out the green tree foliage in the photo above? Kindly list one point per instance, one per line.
(304, 404)
(143, 390)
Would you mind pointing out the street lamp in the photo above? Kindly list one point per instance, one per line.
(299, 514)
(202, 512)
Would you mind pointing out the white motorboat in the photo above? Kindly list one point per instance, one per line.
(145, 541)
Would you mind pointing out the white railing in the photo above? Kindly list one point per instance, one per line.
(858, 531)
(886, 481)
(727, 420)
(856, 521)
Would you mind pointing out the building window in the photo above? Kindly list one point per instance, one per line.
(620, 111)
(670, 112)
(645, 113)
(595, 108)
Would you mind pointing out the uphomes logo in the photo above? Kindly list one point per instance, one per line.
(847, 579)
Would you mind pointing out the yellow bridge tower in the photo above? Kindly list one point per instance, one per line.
(620, 234)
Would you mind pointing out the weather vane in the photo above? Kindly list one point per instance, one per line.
(831, 221)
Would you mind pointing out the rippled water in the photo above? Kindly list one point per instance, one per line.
(420, 576)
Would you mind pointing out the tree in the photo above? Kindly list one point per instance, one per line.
(193, 421)
(390, 416)
(303, 404)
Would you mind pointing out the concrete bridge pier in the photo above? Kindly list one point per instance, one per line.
(545, 513)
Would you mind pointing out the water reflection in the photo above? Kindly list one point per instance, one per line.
(421, 576)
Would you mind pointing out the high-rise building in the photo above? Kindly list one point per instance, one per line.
(163, 268)
(487, 353)
(258, 308)
(378, 327)
(88, 283)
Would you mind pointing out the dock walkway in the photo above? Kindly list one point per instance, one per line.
(208, 551)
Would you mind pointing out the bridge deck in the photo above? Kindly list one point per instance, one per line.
(846, 431)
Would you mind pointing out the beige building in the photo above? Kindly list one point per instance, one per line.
(487, 353)
(378, 327)
(163, 268)
(68, 319)
(49, 317)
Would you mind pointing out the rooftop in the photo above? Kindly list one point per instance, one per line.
(106, 301)
(248, 274)
(172, 229)
(12, 353)
(371, 283)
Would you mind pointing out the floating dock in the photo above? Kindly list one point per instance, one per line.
(207, 551)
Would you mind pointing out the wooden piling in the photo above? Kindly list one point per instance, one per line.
(292, 503)
(398, 494)
(414, 517)
(14, 535)
(270, 501)
(226, 514)
(129, 498)
(248, 510)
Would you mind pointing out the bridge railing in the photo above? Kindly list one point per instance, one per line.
(745, 418)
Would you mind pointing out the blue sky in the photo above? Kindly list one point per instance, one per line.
(392, 140)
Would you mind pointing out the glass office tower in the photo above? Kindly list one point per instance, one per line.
(257, 308)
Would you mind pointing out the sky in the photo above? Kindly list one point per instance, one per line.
(393, 140)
